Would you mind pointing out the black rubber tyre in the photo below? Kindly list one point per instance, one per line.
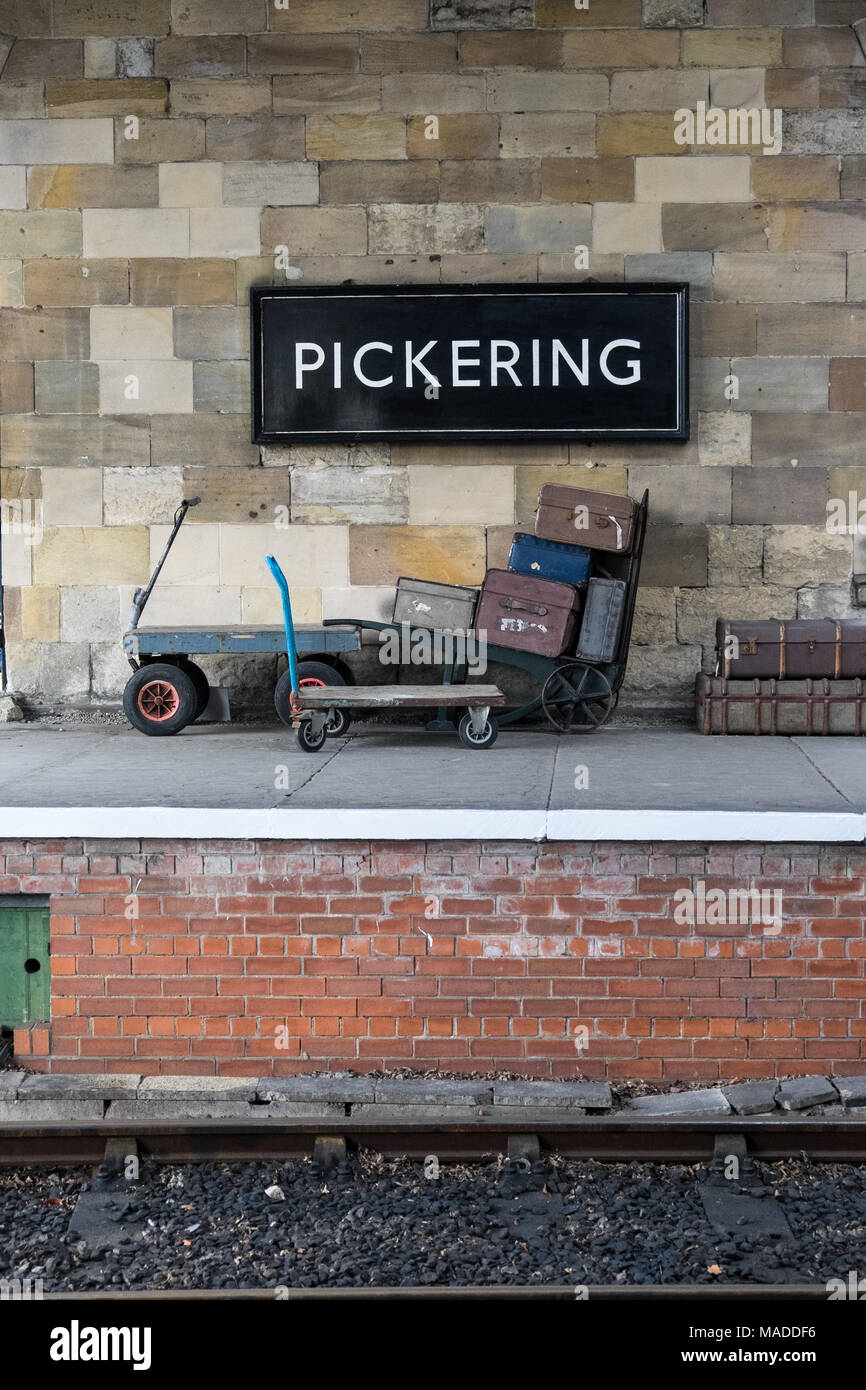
(160, 699)
(310, 742)
(311, 673)
(484, 740)
(201, 683)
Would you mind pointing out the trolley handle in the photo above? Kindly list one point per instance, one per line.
(291, 648)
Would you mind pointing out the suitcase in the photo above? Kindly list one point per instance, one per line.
(528, 614)
(424, 603)
(805, 647)
(779, 707)
(602, 620)
(549, 559)
(578, 516)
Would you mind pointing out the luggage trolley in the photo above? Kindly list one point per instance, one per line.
(314, 708)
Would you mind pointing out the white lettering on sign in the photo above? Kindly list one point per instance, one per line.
(550, 363)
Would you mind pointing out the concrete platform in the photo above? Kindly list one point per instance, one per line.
(405, 784)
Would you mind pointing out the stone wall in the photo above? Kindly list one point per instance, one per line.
(274, 958)
(128, 246)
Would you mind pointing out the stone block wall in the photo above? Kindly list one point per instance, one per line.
(560, 960)
(154, 156)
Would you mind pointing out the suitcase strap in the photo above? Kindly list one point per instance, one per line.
(514, 605)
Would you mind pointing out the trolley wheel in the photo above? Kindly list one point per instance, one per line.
(311, 742)
(577, 698)
(160, 699)
(485, 739)
(201, 683)
(311, 673)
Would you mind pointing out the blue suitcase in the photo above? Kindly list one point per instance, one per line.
(549, 559)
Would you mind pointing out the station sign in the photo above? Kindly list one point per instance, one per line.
(433, 362)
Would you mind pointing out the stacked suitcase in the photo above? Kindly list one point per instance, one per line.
(798, 677)
(555, 598)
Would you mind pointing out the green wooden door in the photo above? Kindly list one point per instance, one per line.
(25, 972)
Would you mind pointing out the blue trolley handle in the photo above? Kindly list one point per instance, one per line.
(291, 649)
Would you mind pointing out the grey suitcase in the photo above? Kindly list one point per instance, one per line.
(602, 620)
(425, 603)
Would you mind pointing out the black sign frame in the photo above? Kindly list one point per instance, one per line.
(677, 430)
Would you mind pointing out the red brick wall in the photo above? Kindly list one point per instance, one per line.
(186, 957)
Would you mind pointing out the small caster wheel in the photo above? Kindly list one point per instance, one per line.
(316, 673)
(471, 739)
(311, 742)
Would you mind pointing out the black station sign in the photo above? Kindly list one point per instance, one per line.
(337, 363)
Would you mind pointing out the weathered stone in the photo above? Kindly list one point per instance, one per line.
(100, 58)
(158, 388)
(24, 234)
(16, 390)
(203, 440)
(223, 232)
(333, 17)
(220, 96)
(89, 613)
(626, 227)
(90, 186)
(851, 1089)
(682, 494)
(481, 14)
(736, 556)
(72, 497)
(418, 227)
(135, 57)
(736, 88)
(698, 609)
(776, 383)
(330, 1090)
(804, 1091)
(822, 329)
(794, 555)
(121, 96)
(326, 492)
(847, 384)
(450, 554)
(317, 230)
(751, 1097)
(834, 227)
(613, 48)
(758, 498)
(539, 133)
(182, 281)
(382, 53)
(255, 137)
(308, 555)
(56, 142)
(731, 13)
(487, 269)
(190, 185)
(218, 16)
(155, 142)
(791, 89)
(328, 96)
(668, 672)
(693, 267)
(655, 617)
(724, 438)
(558, 1095)
(98, 556)
(379, 181)
(133, 231)
(457, 137)
(340, 270)
(810, 439)
(587, 180)
(277, 54)
(490, 180)
(141, 497)
(222, 387)
(704, 1102)
(769, 278)
(220, 56)
(64, 388)
(439, 93)
(241, 495)
(356, 137)
(111, 16)
(21, 99)
(467, 495)
(734, 48)
(605, 14)
(826, 601)
(211, 334)
(11, 284)
(656, 90)
(13, 187)
(722, 178)
(679, 13)
(714, 226)
(509, 229)
(270, 184)
(637, 133)
(44, 58)
(723, 329)
(27, 18)
(547, 91)
(125, 332)
(28, 334)
(824, 132)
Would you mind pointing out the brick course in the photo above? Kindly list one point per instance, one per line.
(252, 959)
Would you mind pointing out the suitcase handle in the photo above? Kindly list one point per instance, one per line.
(513, 604)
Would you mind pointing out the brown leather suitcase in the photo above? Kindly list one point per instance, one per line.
(578, 516)
(528, 614)
(802, 648)
(780, 707)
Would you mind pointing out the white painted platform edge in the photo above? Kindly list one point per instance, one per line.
(627, 825)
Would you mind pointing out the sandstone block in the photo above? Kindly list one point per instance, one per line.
(73, 283)
(666, 671)
(26, 334)
(218, 16)
(90, 186)
(338, 270)
(795, 555)
(200, 604)
(853, 178)
(450, 554)
(241, 495)
(420, 227)
(847, 384)
(736, 556)
(100, 58)
(319, 231)
(309, 555)
(637, 133)
(484, 455)
(157, 142)
(654, 90)
(679, 13)
(65, 141)
(269, 184)
(487, 269)
(135, 387)
(698, 609)
(218, 441)
(715, 226)
(698, 179)
(22, 99)
(509, 229)
(255, 137)
(735, 88)
(89, 613)
(382, 53)
(222, 55)
(734, 48)
(11, 284)
(193, 561)
(270, 55)
(781, 383)
(490, 180)
(626, 227)
(614, 48)
(109, 17)
(547, 91)
(596, 180)
(732, 13)
(540, 133)
(709, 386)
(64, 671)
(655, 617)
(93, 556)
(462, 495)
(67, 388)
(675, 555)
(458, 137)
(352, 93)
(223, 232)
(683, 494)
(46, 441)
(211, 334)
(141, 496)
(40, 614)
(779, 278)
(24, 234)
(811, 439)
(194, 281)
(16, 390)
(381, 181)
(122, 96)
(763, 496)
(132, 232)
(227, 96)
(724, 438)
(825, 47)
(824, 132)
(333, 17)
(43, 58)
(72, 496)
(833, 227)
(822, 330)
(481, 14)
(723, 330)
(190, 185)
(437, 93)
(356, 137)
(13, 186)
(17, 559)
(125, 332)
(327, 492)
(695, 267)
(222, 387)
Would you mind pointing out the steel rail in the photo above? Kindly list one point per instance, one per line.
(567, 1293)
